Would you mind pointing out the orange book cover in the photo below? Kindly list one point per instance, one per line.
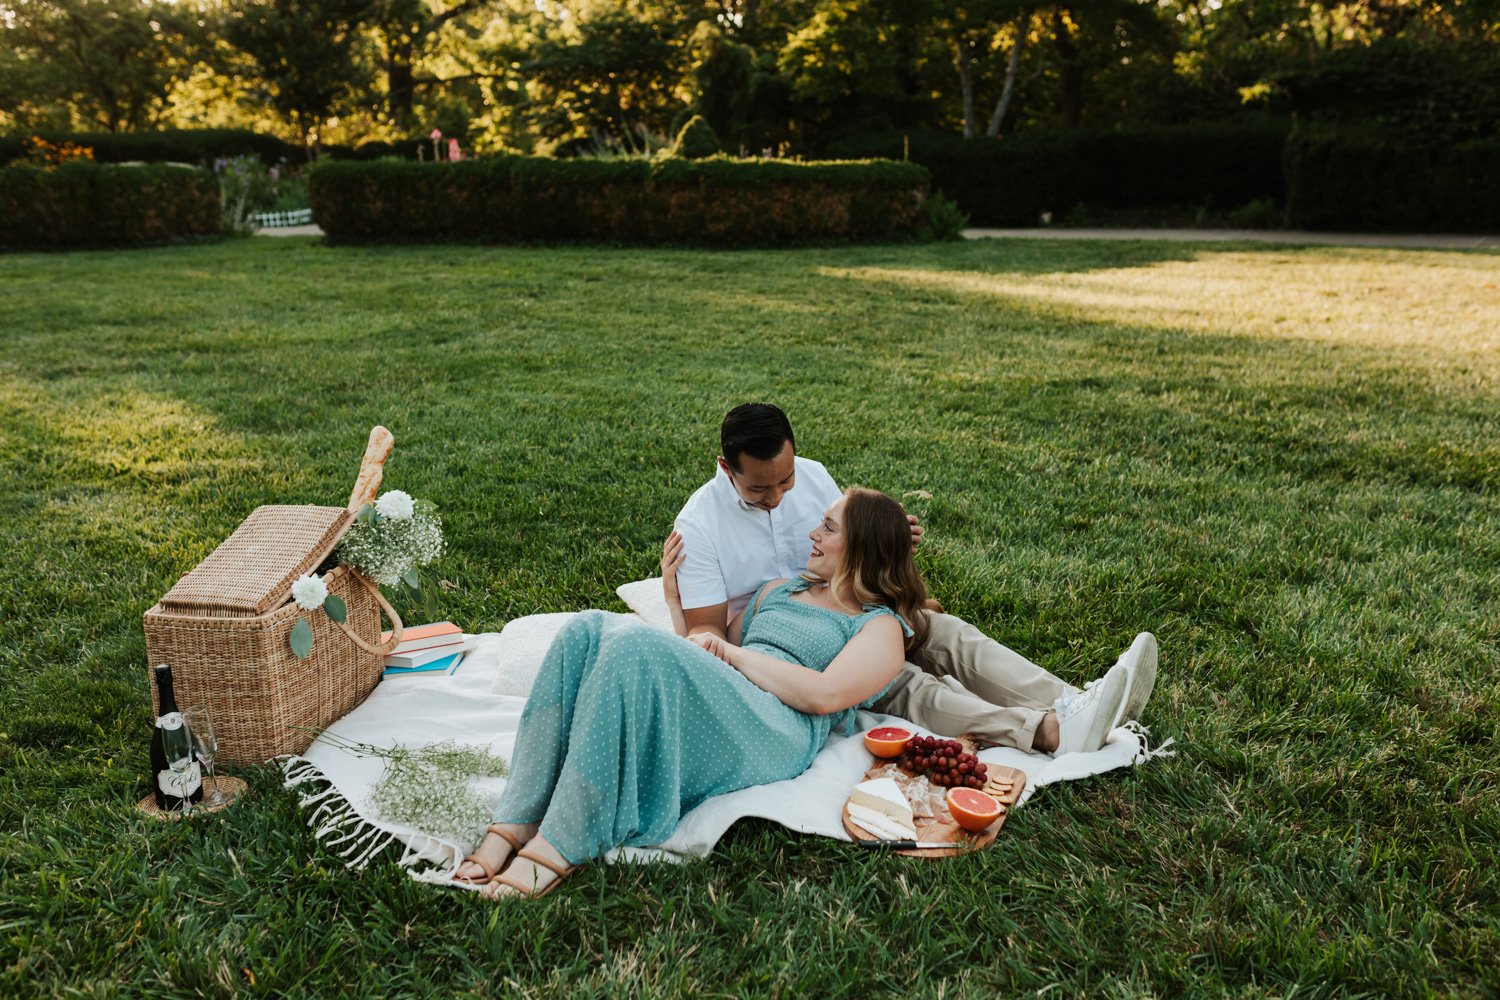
(424, 632)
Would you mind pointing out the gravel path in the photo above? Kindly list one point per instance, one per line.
(1409, 240)
(311, 230)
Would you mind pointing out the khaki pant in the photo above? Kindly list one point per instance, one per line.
(962, 681)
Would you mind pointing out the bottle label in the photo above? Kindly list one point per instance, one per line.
(172, 720)
(181, 784)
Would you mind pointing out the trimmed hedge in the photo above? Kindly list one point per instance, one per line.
(201, 146)
(91, 204)
(1367, 180)
(524, 198)
(378, 149)
(1012, 181)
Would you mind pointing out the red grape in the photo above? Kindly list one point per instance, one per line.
(946, 763)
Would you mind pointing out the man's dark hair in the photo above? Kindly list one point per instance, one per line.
(759, 430)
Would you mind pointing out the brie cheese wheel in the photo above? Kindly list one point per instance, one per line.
(883, 795)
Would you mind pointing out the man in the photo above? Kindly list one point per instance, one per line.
(750, 523)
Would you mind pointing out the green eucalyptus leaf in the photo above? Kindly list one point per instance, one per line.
(336, 608)
(412, 579)
(366, 513)
(301, 639)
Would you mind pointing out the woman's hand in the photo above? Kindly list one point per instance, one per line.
(715, 644)
(672, 557)
(673, 554)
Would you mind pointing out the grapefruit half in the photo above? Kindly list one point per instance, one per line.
(888, 741)
(972, 809)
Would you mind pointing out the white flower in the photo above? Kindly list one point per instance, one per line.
(395, 505)
(310, 591)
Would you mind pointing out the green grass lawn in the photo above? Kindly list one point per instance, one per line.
(1284, 462)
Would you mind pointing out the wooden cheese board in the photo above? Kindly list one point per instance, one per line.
(1004, 783)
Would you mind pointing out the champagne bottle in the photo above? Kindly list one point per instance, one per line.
(170, 742)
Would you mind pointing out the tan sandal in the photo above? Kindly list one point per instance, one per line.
(530, 891)
(490, 872)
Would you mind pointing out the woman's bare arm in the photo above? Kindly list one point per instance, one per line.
(865, 665)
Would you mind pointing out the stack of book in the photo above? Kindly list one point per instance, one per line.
(427, 649)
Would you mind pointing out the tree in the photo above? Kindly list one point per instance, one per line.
(1424, 67)
(94, 63)
(736, 89)
(862, 65)
(589, 71)
(976, 29)
(404, 30)
(822, 74)
(1087, 37)
(304, 54)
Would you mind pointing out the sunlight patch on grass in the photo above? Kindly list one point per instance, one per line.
(124, 433)
(1443, 302)
(134, 488)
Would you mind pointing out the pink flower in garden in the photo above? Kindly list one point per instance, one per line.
(437, 134)
(454, 153)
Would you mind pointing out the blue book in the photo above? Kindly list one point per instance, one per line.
(447, 664)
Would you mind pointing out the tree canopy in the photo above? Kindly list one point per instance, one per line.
(554, 75)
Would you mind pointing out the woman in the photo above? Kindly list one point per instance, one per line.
(627, 728)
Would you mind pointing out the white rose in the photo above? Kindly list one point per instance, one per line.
(310, 591)
(395, 505)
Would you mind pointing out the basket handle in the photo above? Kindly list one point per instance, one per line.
(384, 648)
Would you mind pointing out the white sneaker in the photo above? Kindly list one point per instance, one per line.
(1140, 661)
(1085, 719)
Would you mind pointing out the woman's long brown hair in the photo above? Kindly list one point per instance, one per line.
(878, 564)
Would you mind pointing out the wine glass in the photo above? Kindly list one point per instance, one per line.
(177, 745)
(206, 745)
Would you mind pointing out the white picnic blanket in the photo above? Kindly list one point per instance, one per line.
(482, 703)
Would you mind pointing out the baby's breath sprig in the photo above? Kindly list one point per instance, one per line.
(391, 540)
(430, 788)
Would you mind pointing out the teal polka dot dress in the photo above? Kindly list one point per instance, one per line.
(629, 727)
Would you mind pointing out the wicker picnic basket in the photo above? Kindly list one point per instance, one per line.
(225, 626)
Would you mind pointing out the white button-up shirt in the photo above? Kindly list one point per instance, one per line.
(733, 547)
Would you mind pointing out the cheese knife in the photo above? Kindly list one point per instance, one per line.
(911, 845)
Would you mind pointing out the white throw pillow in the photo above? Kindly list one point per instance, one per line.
(523, 643)
(644, 597)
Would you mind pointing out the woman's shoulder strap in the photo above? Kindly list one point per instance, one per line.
(767, 589)
(757, 599)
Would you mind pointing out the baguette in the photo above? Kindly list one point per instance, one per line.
(367, 486)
